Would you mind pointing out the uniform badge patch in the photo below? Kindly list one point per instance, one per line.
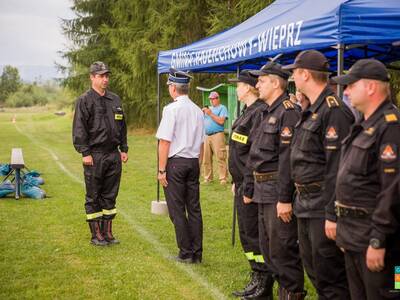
(331, 133)
(272, 120)
(370, 131)
(314, 116)
(286, 132)
(240, 138)
(119, 116)
(388, 153)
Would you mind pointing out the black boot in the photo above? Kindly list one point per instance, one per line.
(250, 286)
(97, 238)
(263, 290)
(286, 295)
(107, 232)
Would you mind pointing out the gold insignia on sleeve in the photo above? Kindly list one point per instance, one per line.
(332, 102)
(388, 154)
(331, 133)
(389, 170)
(286, 132)
(240, 138)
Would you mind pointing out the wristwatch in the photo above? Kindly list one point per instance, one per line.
(376, 243)
(162, 171)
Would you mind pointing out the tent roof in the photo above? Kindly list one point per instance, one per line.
(371, 27)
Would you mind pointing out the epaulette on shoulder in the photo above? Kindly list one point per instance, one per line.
(287, 104)
(332, 102)
(391, 117)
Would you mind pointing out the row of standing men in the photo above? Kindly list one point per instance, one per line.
(313, 188)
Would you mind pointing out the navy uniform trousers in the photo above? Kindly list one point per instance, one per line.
(183, 199)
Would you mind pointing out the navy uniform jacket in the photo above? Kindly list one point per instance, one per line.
(270, 151)
(99, 124)
(240, 141)
(369, 165)
(316, 151)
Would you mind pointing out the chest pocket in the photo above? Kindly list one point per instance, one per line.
(99, 112)
(362, 153)
(269, 137)
(310, 136)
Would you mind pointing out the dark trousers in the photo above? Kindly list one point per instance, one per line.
(248, 230)
(278, 242)
(368, 285)
(102, 185)
(322, 259)
(182, 195)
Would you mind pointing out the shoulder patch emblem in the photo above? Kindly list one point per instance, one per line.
(288, 105)
(272, 120)
(286, 132)
(331, 133)
(391, 118)
(388, 153)
(332, 102)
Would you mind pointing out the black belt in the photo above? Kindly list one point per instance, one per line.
(351, 211)
(313, 187)
(214, 133)
(262, 177)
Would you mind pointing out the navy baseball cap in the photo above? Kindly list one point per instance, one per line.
(246, 77)
(364, 69)
(271, 68)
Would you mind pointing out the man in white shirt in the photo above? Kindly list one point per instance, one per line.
(181, 137)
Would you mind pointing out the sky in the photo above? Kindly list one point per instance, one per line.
(30, 31)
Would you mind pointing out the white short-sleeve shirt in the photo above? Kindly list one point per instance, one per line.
(182, 124)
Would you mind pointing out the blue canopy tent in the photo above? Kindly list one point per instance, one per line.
(344, 30)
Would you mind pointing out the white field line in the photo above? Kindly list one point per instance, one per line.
(188, 269)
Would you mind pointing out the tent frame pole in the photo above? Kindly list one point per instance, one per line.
(340, 67)
(158, 123)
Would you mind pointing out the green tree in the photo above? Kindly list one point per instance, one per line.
(9, 82)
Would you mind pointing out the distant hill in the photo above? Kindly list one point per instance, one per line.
(37, 73)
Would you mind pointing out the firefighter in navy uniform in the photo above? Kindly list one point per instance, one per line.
(239, 147)
(368, 227)
(269, 160)
(314, 161)
(99, 134)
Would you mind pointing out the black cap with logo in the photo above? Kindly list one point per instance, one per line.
(246, 77)
(272, 68)
(364, 69)
(311, 60)
(98, 67)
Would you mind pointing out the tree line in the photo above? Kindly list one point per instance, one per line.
(127, 35)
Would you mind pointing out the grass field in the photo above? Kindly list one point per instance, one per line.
(44, 244)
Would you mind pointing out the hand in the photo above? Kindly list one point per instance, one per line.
(375, 259)
(284, 211)
(87, 160)
(330, 229)
(206, 110)
(124, 157)
(247, 200)
(233, 189)
(162, 178)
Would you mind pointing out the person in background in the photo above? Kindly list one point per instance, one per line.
(214, 144)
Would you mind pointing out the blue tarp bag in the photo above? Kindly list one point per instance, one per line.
(33, 177)
(6, 188)
(32, 191)
(5, 169)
